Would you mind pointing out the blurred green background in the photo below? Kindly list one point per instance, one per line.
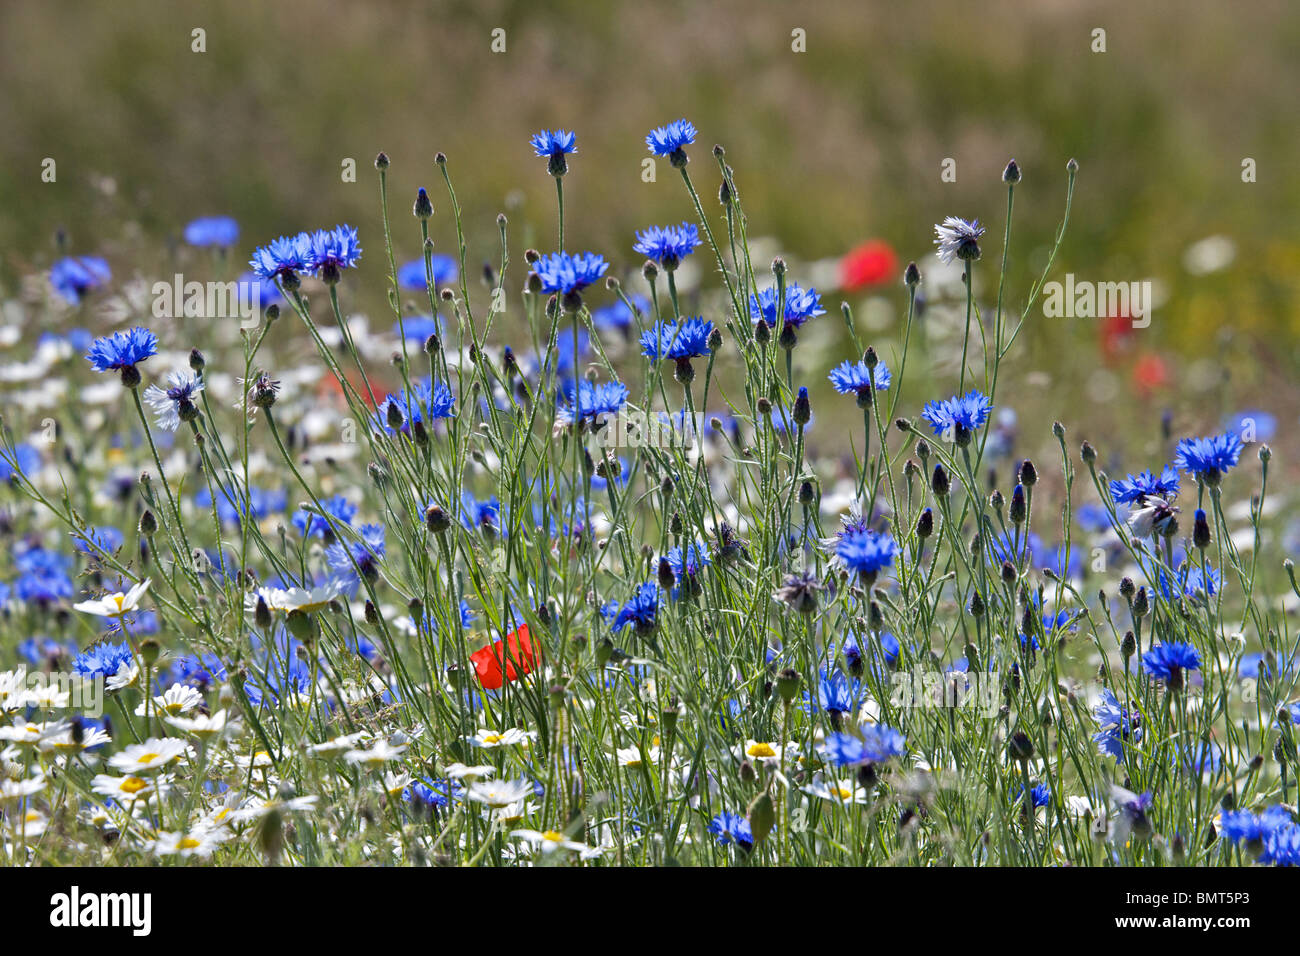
(832, 146)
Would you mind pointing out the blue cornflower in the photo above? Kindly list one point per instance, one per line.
(100, 540)
(74, 276)
(24, 461)
(260, 291)
(562, 273)
(1093, 517)
(138, 623)
(282, 258)
(668, 245)
(958, 239)
(836, 695)
(1242, 825)
(549, 142)
(593, 402)
(1132, 816)
(562, 354)
(686, 563)
(353, 560)
(1254, 422)
(436, 794)
(1190, 580)
(1138, 487)
(1200, 757)
(295, 683)
(1041, 795)
(865, 552)
(851, 649)
(844, 750)
(953, 419)
(175, 403)
(854, 378)
(417, 328)
(411, 276)
(429, 623)
(481, 515)
(800, 306)
(426, 401)
(309, 524)
(877, 744)
(102, 660)
(333, 250)
(640, 611)
(232, 508)
(122, 351)
(679, 341)
(554, 144)
(1169, 660)
(212, 231)
(1208, 458)
(617, 315)
(670, 141)
(1118, 724)
(1282, 847)
(1293, 710)
(732, 828)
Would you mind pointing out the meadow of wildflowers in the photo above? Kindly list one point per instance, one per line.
(308, 587)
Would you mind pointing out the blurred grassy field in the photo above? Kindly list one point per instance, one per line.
(832, 146)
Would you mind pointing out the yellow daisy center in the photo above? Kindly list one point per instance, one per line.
(761, 750)
(553, 835)
(133, 785)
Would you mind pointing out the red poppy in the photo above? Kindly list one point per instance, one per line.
(488, 660)
(1116, 336)
(872, 263)
(329, 386)
(1149, 373)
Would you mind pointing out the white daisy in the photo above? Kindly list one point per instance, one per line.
(460, 771)
(549, 841)
(59, 739)
(15, 790)
(153, 754)
(177, 699)
(513, 736)
(849, 791)
(379, 753)
(129, 788)
(499, 793)
(116, 604)
(293, 599)
(13, 690)
(198, 842)
(202, 726)
(633, 757)
(338, 745)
